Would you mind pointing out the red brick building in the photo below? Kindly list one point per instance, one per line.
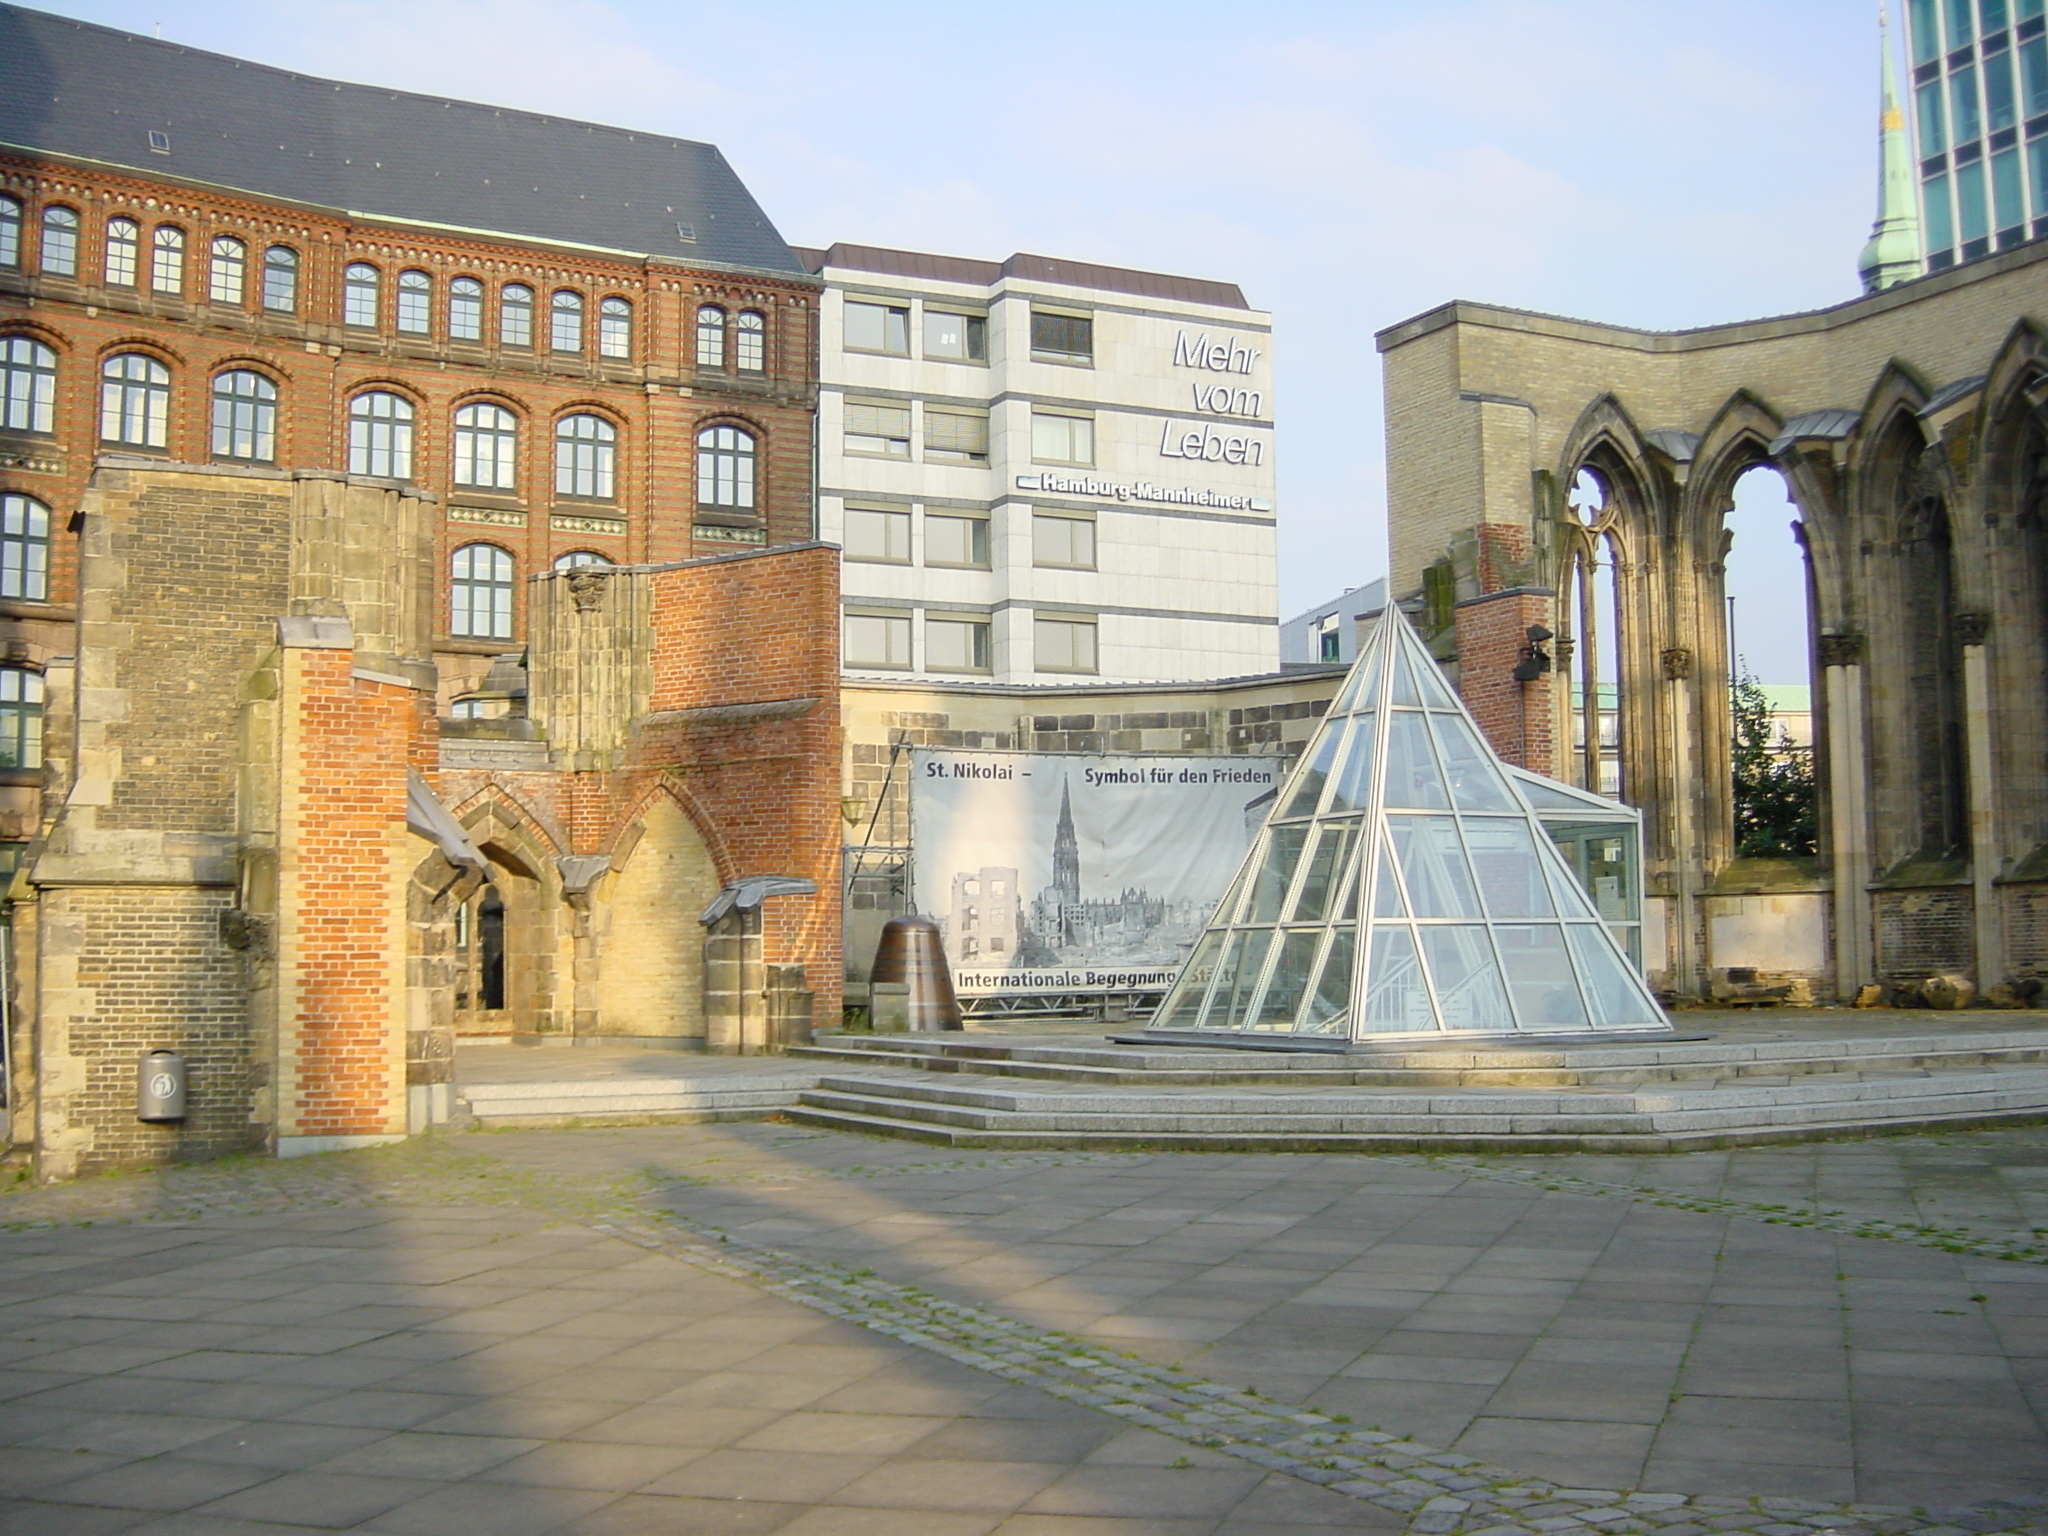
(329, 417)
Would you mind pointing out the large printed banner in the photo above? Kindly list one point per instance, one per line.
(1056, 873)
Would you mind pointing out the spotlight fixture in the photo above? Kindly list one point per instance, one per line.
(1535, 660)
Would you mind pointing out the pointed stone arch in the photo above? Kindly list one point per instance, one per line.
(648, 980)
(510, 937)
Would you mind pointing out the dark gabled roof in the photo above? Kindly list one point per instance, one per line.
(1043, 269)
(71, 88)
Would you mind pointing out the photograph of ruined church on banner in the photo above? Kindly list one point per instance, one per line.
(1057, 873)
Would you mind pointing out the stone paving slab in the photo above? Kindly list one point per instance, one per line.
(509, 1312)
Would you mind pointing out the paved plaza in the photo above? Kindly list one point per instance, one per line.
(753, 1328)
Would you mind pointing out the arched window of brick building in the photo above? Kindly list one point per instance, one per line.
(480, 594)
(281, 280)
(380, 435)
(515, 315)
(586, 454)
(60, 241)
(227, 273)
(615, 328)
(750, 342)
(565, 322)
(725, 468)
(359, 284)
(10, 231)
(577, 559)
(244, 416)
(415, 315)
(167, 259)
(465, 310)
(710, 337)
(124, 242)
(135, 401)
(21, 718)
(28, 385)
(487, 448)
(24, 548)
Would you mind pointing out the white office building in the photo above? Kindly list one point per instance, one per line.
(1043, 471)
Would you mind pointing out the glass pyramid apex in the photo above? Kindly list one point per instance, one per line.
(1404, 885)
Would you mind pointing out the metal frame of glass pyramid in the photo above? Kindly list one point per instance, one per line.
(1404, 886)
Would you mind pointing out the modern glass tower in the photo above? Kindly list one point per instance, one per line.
(1980, 124)
(1405, 885)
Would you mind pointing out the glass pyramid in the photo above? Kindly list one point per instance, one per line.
(1404, 886)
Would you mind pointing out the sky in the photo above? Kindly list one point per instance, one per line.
(1658, 163)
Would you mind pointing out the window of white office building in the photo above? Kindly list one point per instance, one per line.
(1063, 644)
(878, 428)
(956, 642)
(1058, 539)
(1058, 437)
(1057, 338)
(877, 638)
(955, 436)
(956, 538)
(878, 328)
(878, 533)
(957, 338)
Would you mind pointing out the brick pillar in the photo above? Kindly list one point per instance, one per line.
(1515, 717)
(342, 895)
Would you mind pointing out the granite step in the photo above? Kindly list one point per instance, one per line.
(679, 1100)
(1715, 1114)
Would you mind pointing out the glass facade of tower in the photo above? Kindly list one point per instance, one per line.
(1980, 124)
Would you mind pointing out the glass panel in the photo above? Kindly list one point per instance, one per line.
(1330, 1003)
(1941, 217)
(1283, 852)
(2034, 76)
(1354, 781)
(1289, 980)
(2008, 192)
(1369, 693)
(1386, 891)
(1347, 696)
(1476, 784)
(1932, 109)
(1429, 682)
(1998, 95)
(1397, 999)
(1404, 680)
(1973, 217)
(1566, 890)
(1412, 779)
(1433, 866)
(1308, 789)
(1226, 910)
(1326, 865)
(1243, 958)
(1617, 997)
(1183, 1005)
(1540, 976)
(1505, 862)
(1467, 977)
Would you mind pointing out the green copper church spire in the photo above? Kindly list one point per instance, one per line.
(1893, 255)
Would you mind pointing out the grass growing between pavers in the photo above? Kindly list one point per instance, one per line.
(1440, 1493)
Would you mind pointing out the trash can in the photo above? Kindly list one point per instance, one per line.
(160, 1086)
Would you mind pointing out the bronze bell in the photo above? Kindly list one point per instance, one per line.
(911, 953)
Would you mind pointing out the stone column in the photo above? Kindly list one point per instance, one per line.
(1974, 631)
(1841, 660)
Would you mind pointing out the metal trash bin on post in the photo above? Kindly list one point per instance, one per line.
(160, 1086)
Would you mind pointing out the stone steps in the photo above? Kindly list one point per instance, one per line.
(678, 1100)
(1443, 1066)
(1666, 1118)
